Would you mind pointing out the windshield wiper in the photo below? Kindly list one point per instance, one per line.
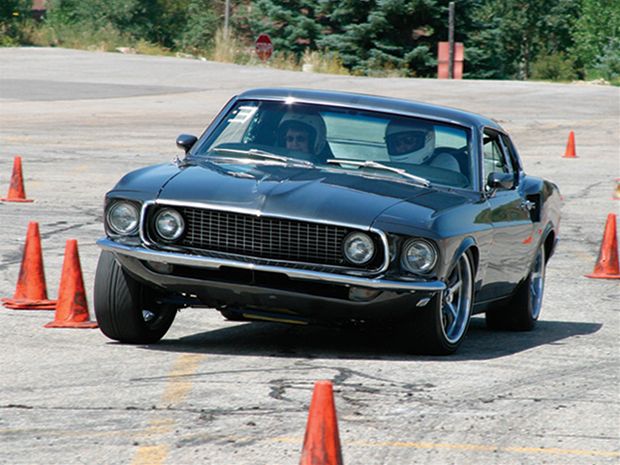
(380, 166)
(267, 156)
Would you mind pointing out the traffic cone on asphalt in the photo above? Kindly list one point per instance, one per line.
(607, 266)
(570, 146)
(322, 442)
(72, 308)
(16, 189)
(31, 292)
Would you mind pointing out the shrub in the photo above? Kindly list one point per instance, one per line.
(608, 64)
(554, 67)
(324, 62)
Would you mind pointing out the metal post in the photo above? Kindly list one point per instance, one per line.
(226, 16)
(451, 40)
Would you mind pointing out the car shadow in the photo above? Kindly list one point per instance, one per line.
(279, 340)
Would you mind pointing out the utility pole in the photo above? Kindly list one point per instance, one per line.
(451, 40)
(226, 17)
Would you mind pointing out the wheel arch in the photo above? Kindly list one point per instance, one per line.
(468, 245)
(549, 244)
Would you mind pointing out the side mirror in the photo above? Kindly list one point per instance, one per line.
(500, 181)
(186, 142)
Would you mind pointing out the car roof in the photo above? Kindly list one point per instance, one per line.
(373, 102)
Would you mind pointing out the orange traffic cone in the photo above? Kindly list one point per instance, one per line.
(322, 442)
(31, 292)
(16, 189)
(570, 146)
(72, 308)
(607, 266)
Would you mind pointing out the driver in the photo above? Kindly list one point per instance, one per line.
(415, 143)
(302, 132)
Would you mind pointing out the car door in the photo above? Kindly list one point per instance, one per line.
(512, 247)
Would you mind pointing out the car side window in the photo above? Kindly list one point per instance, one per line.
(494, 159)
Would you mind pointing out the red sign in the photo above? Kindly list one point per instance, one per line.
(443, 56)
(264, 47)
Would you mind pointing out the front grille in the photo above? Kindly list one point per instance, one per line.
(269, 238)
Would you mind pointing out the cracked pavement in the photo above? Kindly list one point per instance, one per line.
(221, 392)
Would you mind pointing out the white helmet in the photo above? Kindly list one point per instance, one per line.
(412, 142)
(311, 122)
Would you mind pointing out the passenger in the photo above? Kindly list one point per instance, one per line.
(303, 132)
(415, 143)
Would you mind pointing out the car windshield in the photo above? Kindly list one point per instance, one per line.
(320, 136)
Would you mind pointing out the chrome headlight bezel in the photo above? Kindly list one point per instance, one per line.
(174, 215)
(127, 224)
(426, 250)
(362, 239)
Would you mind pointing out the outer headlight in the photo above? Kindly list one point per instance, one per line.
(418, 256)
(169, 224)
(123, 217)
(359, 248)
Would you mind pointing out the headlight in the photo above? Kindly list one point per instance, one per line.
(169, 224)
(358, 248)
(418, 256)
(123, 218)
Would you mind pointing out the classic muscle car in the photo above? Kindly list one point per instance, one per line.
(303, 206)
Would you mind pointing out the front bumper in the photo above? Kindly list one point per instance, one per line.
(377, 283)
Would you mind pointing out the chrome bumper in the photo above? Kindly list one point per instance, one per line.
(199, 261)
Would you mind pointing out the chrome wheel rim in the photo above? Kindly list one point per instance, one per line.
(537, 284)
(456, 301)
(148, 316)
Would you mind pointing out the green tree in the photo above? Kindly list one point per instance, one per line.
(398, 35)
(200, 27)
(13, 14)
(291, 24)
(507, 36)
(170, 23)
(596, 31)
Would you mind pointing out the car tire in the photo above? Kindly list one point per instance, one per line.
(440, 326)
(523, 309)
(125, 309)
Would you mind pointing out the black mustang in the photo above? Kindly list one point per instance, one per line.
(304, 206)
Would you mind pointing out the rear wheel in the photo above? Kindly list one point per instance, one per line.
(440, 327)
(126, 310)
(522, 311)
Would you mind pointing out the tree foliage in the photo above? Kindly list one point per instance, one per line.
(507, 36)
(169, 23)
(596, 32)
(291, 24)
(383, 34)
(12, 14)
(504, 39)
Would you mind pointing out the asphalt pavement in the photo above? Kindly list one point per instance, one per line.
(219, 392)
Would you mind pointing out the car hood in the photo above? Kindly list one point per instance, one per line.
(311, 194)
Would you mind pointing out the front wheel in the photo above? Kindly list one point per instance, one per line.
(126, 310)
(522, 311)
(440, 327)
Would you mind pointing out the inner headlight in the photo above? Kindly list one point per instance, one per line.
(123, 218)
(418, 256)
(359, 248)
(169, 224)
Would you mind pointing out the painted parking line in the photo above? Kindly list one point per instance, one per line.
(151, 455)
(176, 390)
(464, 447)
